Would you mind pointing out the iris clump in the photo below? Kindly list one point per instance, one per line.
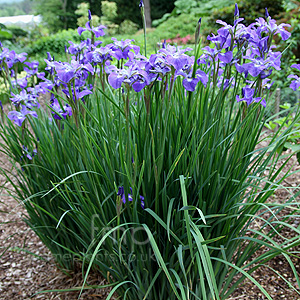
(148, 169)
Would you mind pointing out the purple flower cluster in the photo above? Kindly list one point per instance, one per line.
(19, 116)
(59, 110)
(121, 194)
(97, 31)
(11, 57)
(248, 50)
(295, 84)
(28, 154)
(238, 50)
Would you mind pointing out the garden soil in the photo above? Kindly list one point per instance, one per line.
(27, 268)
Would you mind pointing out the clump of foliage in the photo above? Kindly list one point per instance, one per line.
(53, 43)
(128, 27)
(109, 13)
(5, 33)
(182, 25)
(201, 8)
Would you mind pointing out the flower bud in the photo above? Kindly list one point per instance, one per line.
(197, 33)
(236, 11)
(266, 13)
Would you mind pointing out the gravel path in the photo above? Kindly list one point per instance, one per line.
(26, 266)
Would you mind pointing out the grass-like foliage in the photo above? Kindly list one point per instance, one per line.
(148, 170)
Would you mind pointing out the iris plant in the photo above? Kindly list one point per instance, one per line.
(186, 141)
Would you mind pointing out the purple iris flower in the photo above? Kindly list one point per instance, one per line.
(296, 66)
(98, 31)
(121, 49)
(271, 27)
(209, 53)
(240, 68)
(50, 64)
(222, 40)
(83, 93)
(295, 84)
(157, 65)
(133, 76)
(267, 84)
(19, 116)
(8, 56)
(26, 99)
(190, 83)
(62, 111)
(225, 83)
(29, 154)
(121, 193)
(178, 60)
(78, 93)
(32, 68)
(41, 88)
(13, 58)
(228, 29)
(254, 69)
(226, 57)
(66, 72)
(174, 52)
(249, 97)
(22, 83)
(77, 48)
(99, 55)
(4, 53)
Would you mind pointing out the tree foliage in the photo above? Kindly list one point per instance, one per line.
(15, 9)
(59, 14)
(130, 10)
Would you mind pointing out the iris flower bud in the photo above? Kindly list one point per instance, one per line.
(236, 11)
(197, 33)
(266, 13)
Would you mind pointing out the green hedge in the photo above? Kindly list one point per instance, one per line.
(53, 43)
